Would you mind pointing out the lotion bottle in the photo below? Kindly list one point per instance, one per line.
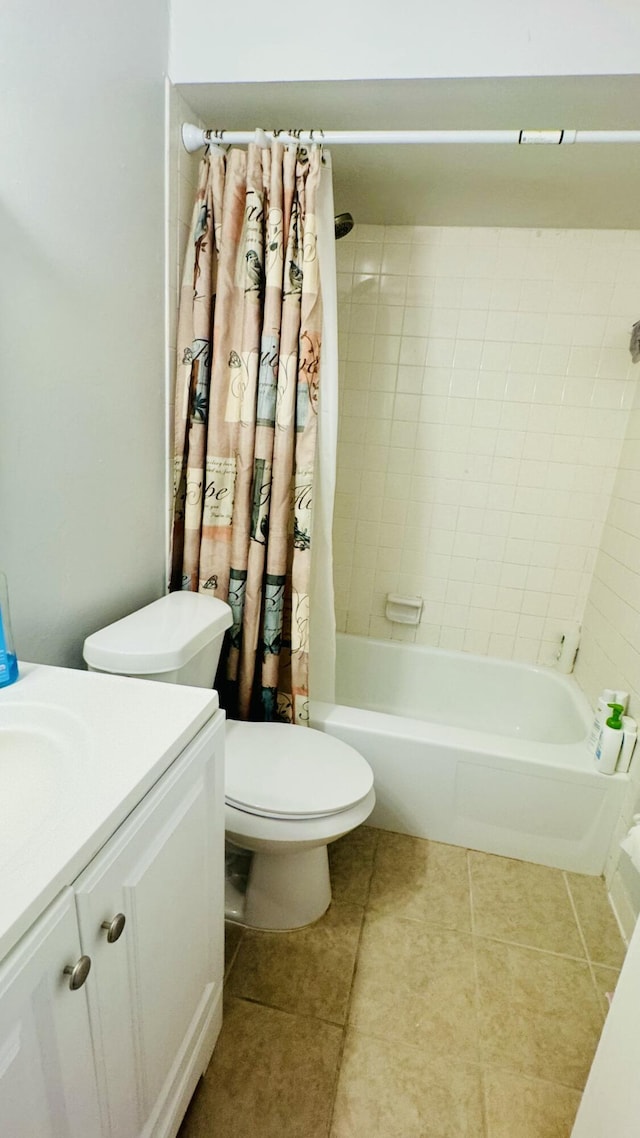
(629, 736)
(610, 740)
(606, 696)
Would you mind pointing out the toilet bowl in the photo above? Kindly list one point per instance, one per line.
(289, 791)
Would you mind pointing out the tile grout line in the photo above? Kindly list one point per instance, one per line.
(533, 948)
(374, 860)
(470, 880)
(345, 1026)
(287, 1011)
(479, 1064)
(584, 941)
(487, 937)
(575, 914)
(526, 1076)
(476, 982)
(364, 908)
(336, 1078)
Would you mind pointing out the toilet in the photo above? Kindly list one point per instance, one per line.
(289, 790)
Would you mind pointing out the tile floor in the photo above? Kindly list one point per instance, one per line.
(445, 994)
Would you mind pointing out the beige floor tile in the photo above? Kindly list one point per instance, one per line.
(308, 971)
(388, 1090)
(423, 880)
(606, 980)
(351, 865)
(415, 984)
(599, 926)
(523, 903)
(539, 1014)
(272, 1074)
(232, 937)
(528, 1108)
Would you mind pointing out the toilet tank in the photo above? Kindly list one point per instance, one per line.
(176, 639)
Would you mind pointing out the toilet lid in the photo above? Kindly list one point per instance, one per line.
(281, 771)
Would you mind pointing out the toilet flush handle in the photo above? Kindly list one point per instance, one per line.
(114, 928)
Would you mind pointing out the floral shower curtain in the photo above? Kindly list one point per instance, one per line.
(246, 411)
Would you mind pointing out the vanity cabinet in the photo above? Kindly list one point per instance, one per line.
(155, 991)
(120, 1057)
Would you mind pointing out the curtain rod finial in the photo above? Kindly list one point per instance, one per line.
(193, 137)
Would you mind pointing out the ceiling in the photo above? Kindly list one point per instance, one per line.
(580, 186)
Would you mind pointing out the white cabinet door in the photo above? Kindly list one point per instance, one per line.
(156, 1005)
(47, 1078)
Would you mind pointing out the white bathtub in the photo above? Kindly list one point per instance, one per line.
(478, 752)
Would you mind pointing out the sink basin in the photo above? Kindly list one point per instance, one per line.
(40, 748)
(78, 752)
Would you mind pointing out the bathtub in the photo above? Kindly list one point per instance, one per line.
(475, 751)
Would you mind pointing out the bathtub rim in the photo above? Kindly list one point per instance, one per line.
(457, 653)
(568, 682)
(568, 759)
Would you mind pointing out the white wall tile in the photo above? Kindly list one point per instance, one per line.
(486, 394)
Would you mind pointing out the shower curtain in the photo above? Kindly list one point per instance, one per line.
(246, 414)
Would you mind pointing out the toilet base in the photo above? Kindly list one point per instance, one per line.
(287, 890)
(234, 903)
(288, 882)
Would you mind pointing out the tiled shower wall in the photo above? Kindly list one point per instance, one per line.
(486, 384)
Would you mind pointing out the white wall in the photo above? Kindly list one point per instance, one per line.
(407, 39)
(610, 651)
(184, 170)
(486, 385)
(82, 417)
(182, 185)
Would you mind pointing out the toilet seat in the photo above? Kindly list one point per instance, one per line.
(280, 771)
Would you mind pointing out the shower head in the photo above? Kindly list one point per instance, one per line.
(344, 224)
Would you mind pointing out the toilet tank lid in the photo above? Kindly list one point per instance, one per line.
(160, 637)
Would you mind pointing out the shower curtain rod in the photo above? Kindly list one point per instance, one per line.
(194, 137)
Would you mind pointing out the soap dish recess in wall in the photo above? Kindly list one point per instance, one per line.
(403, 610)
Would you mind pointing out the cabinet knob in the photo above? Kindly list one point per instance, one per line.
(115, 927)
(78, 972)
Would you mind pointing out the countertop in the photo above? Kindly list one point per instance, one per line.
(122, 734)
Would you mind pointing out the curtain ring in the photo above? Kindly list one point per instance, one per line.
(215, 142)
(294, 134)
(318, 142)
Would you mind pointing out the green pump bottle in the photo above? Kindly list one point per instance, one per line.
(610, 740)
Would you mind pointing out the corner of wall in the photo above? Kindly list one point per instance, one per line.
(181, 180)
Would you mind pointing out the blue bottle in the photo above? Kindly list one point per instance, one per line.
(8, 659)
